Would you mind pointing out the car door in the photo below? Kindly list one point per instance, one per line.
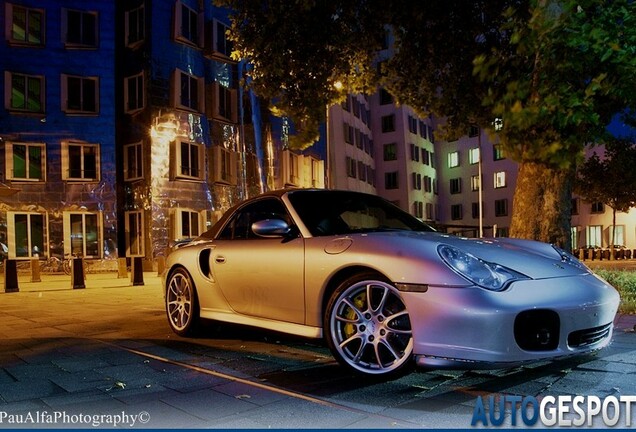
(260, 277)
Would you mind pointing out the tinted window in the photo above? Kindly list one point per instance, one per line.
(240, 225)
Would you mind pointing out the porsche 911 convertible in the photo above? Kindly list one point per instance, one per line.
(385, 290)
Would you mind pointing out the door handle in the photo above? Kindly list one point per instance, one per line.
(219, 259)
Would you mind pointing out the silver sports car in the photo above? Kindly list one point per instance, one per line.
(384, 289)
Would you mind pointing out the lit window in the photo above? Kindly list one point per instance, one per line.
(188, 91)
(453, 159)
(189, 160)
(80, 28)
(82, 234)
(473, 155)
(80, 95)
(24, 92)
(25, 26)
(135, 26)
(474, 183)
(594, 235)
(500, 179)
(134, 93)
(498, 152)
(25, 161)
(29, 232)
(133, 161)
(188, 224)
(80, 161)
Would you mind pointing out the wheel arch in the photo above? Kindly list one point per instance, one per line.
(342, 275)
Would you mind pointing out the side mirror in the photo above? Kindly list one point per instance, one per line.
(271, 228)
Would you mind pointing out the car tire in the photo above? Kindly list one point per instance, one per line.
(372, 338)
(182, 305)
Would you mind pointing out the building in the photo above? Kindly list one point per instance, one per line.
(57, 141)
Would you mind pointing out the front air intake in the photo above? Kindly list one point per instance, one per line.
(589, 336)
(537, 330)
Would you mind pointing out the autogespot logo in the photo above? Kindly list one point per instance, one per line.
(567, 411)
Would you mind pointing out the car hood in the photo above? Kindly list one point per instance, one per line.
(534, 259)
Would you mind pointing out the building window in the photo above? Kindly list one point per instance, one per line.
(133, 161)
(594, 233)
(24, 92)
(456, 212)
(473, 131)
(134, 93)
(574, 210)
(29, 233)
(347, 131)
(433, 160)
(475, 210)
(188, 224)
(412, 124)
(425, 157)
(619, 235)
(415, 153)
(388, 123)
(362, 171)
(189, 160)
(188, 91)
(82, 234)
(221, 45)
(416, 181)
(80, 95)
(501, 207)
(455, 185)
(188, 25)
(453, 159)
(25, 161)
(135, 26)
(224, 104)
(428, 184)
(498, 152)
(80, 161)
(422, 129)
(391, 180)
(134, 233)
(351, 167)
(500, 179)
(346, 104)
(224, 163)
(473, 155)
(574, 237)
(385, 97)
(390, 152)
(474, 183)
(418, 209)
(25, 26)
(429, 211)
(598, 207)
(80, 28)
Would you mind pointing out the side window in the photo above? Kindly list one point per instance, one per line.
(240, 226)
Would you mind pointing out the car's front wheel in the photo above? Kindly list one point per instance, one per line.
(367, 327)
(182, 306)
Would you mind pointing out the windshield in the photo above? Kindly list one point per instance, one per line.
(340, 212)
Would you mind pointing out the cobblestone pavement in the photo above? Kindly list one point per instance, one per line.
(85, 357)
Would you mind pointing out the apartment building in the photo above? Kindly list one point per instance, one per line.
(57, 142)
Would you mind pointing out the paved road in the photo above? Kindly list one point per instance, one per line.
(105, 354)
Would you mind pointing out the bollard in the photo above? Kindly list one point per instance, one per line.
(137, 271)
(35, 270)
(161, 264)
(10, 276)
(122, 268)
(77, 273)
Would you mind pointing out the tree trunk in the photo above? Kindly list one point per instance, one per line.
(542, 204)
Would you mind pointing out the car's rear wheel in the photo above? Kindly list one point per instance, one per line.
(367, 327)
(182, 305)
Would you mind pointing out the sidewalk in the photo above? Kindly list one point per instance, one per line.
(55, 282)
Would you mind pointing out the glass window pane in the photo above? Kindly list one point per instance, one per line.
(90, 162)
(21, 235)
(75, 161)
(19, 161)
(18, 30)
(92, 238)
(18, 91)
(35, 162)
(35, 27)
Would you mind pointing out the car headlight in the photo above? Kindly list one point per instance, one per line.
(485, 274)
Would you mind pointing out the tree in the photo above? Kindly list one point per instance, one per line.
(610, 179)
(555, 72)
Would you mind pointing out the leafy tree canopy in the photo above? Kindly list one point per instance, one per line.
(554, 71)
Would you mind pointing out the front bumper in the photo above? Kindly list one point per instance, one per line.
(475, 328)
